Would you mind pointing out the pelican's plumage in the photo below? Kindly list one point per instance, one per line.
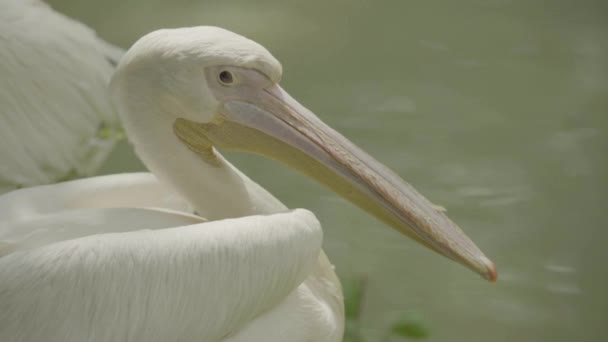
(119, 258)
(54, 74)
(204, 253)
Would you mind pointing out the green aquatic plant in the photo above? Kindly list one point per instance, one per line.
(410, 326)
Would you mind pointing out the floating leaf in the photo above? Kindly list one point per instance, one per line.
(352, 332)
(410, 325)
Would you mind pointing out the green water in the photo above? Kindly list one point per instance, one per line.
(495, 109)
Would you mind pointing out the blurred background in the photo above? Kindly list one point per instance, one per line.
(494, 109)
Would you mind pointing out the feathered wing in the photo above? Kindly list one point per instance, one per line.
(123, 190)
(162, 276)
(57, 118)
(80, 202)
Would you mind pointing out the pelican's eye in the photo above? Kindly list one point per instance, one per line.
(225, 77)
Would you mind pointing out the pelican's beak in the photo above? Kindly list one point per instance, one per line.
(267, 121)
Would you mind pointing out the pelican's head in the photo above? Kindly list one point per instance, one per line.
(222, 90)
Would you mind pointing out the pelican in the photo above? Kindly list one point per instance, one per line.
(54, 75)
(198, 251)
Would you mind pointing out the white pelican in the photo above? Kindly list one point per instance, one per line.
(54, 76)
(99, 260)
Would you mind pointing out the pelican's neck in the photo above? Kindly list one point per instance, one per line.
(215, 192)
(218, 192)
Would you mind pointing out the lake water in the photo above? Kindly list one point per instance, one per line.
(496, 110)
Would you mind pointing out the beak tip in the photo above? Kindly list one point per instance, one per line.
(490, 270)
